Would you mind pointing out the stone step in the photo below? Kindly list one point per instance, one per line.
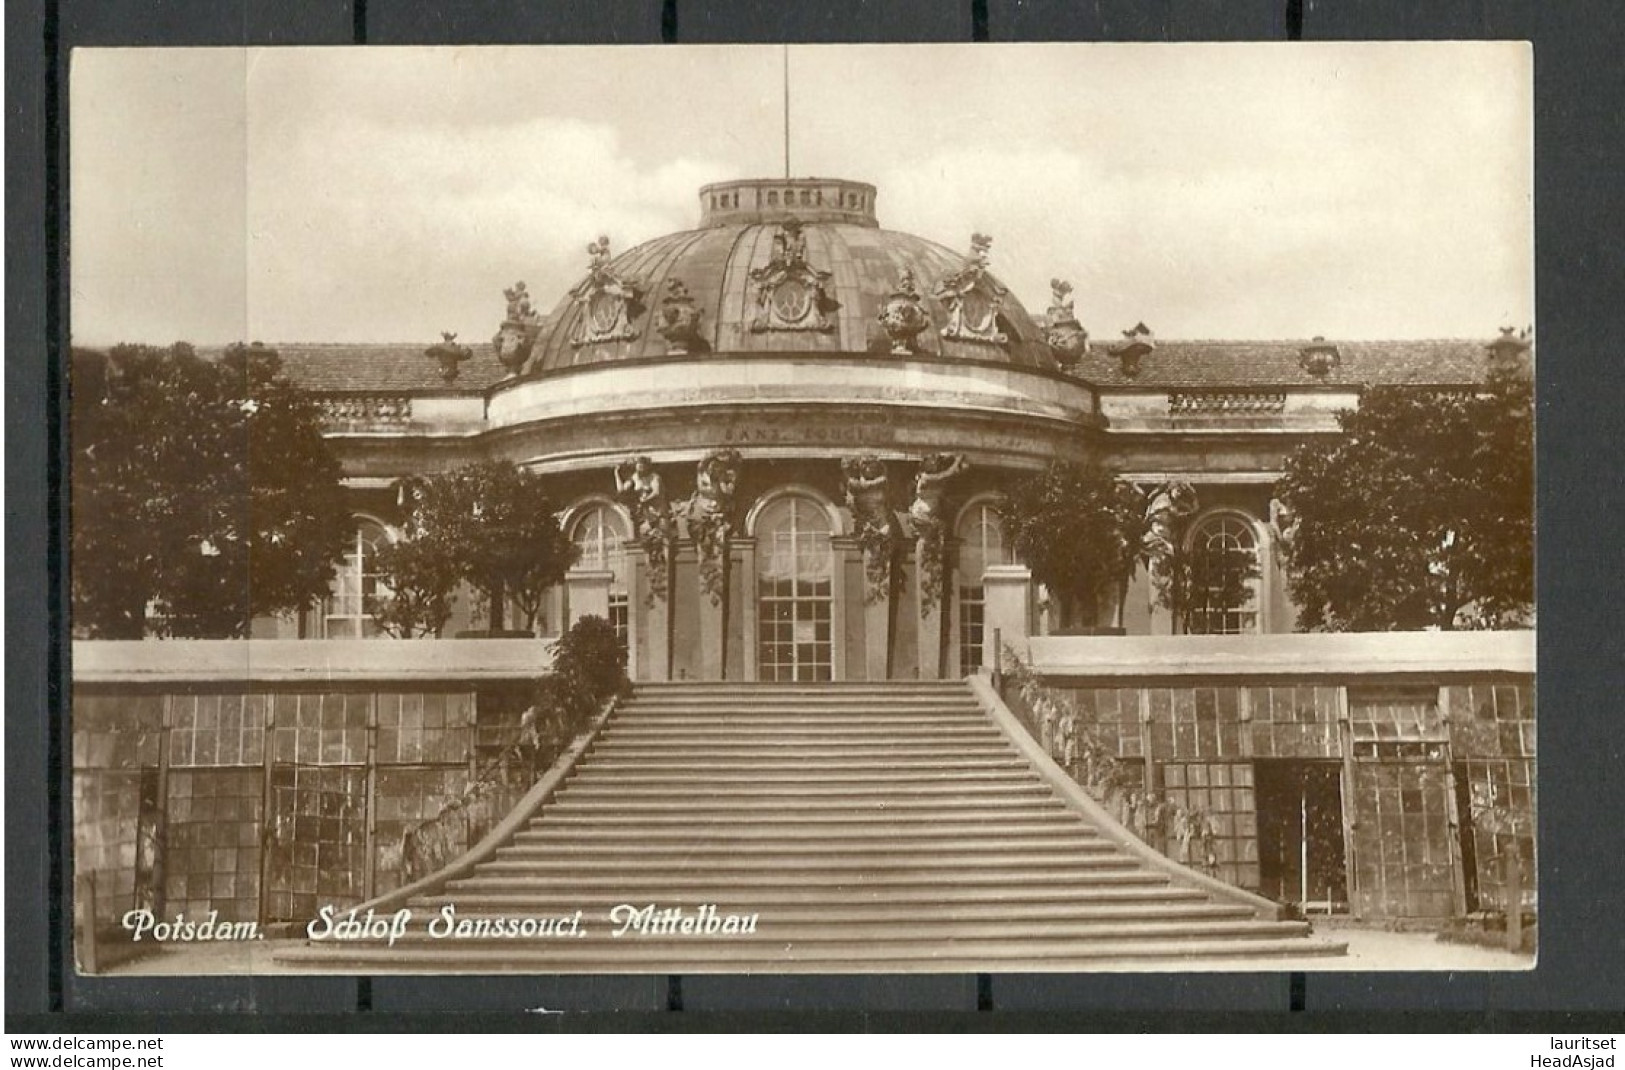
(936, 915)
(848, 712)
(593, 787)
(910, 901)
(643, 884)
(834, 828)
(600, 930)
(709, 808)
(734, 954)
(694, 849)
(707, 732)
(827, 768)
(516, 860)
(902, 780)
(753, 751)
(822, 819)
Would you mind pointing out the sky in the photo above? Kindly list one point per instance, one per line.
(1211, 191)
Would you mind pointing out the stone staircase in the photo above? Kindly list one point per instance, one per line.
(866, 827)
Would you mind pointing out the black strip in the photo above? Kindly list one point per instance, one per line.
(674, 983)
(978, 20)
(1294, 20)
(358, 21)
(363, 995)
(668, 22)
(984, 991)
(58, 933)
(1297, 988)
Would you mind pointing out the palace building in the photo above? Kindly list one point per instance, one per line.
(783, 343)
(779, 440)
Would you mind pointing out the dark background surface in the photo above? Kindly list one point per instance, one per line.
(1580, 158)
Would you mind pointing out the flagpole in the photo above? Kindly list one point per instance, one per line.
(787, 111)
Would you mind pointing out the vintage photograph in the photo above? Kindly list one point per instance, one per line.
(822, 509)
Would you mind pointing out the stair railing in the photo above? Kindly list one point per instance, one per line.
(491, 792)
(1185, 834)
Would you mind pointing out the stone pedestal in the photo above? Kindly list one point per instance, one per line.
(713, 613)
(1007, 613)
(586, 594)
(650, 622)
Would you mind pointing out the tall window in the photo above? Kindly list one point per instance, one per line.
(1223, 597)
(794, 591)
(601, 536)
(980, 544)
(347, 613)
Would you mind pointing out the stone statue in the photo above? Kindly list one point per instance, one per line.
(639, 487)
(902, 317)
(868, 499)
(971, 297)
(1064, 334)
(929, 520)
(449, 354)
(710, 517)
(865, 484)
(1166, 506)
(1283, 525)
(930, 485)
(521, 325)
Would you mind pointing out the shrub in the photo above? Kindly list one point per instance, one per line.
(591, 659)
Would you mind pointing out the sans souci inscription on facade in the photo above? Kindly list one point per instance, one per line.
(852, 434)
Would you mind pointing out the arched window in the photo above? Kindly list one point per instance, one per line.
(601, 536)
(347, 612)
(1223, 595)
(980, 544)
(795, 591)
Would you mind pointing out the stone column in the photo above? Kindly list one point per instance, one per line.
(930, 614)
(1007, 594)
(743, 582)
(844, 619)
(713, 612)
(587, 593)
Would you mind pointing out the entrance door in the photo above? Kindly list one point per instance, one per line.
(794, 592)
(1301, 855)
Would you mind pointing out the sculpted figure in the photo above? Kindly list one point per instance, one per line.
(936, 469)
(866, 486)
(640, 487)
(1168, 504)
(710, 517)
(1283, 525)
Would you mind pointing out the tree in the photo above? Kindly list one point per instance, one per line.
(1080, 530)
(202, 490)
(417, 580)
(1421, 515)
(493, 525)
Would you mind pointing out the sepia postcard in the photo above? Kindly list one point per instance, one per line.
(828, 509)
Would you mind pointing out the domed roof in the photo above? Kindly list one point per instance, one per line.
(788, 266)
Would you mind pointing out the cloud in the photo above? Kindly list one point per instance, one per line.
(366, 232)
